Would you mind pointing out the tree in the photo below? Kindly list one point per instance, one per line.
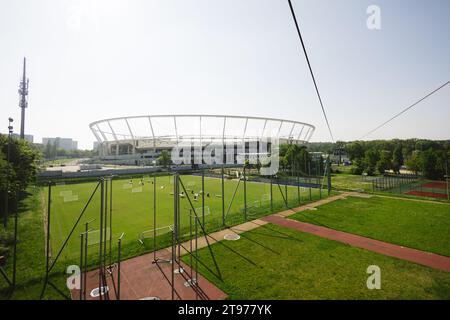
(397, 159)
(428, 164)
(370, 161)
(385, 162)
(294, 157)
(358, 167)
(54, 150)
(413, 163)
(21, 169)
(164, 159)
(48, 150)
(355, 150)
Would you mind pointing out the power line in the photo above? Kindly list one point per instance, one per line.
(310, 69)
(406, 109)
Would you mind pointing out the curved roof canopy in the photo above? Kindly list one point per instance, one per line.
(200, 127)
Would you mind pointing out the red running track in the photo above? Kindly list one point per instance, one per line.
(420, 257)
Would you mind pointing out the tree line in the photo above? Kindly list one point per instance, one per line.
(429, 158)
(297, 159)
(51, 151)
(17, 173)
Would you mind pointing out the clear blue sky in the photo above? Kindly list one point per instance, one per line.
(97, 59)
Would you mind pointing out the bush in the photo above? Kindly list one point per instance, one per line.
(6, 238)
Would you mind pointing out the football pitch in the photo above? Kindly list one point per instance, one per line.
(133, 203)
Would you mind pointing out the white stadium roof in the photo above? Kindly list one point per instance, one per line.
(201, 127)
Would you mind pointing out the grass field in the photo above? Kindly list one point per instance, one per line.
(272, 262)
(267, 263)
(31, 255)
(133, 208)
(344, 181)
(58, 162)
(415, 224)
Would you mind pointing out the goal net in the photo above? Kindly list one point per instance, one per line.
(150, 234)
(93, 237)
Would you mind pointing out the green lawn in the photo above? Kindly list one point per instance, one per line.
(272, 262)
(133, 211)
(420, 225)
(132, 215)
(30, 252)
(344, 181)
(58, 162)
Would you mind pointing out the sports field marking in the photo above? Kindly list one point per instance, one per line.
(136, 190)
(71, 198)
(65, 193)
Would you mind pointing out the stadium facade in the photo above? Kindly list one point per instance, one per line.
(139, 140)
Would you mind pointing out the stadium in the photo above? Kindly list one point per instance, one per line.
(139, 140)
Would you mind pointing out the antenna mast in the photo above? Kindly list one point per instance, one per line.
(23, 91)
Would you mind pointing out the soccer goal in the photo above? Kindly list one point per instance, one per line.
(150, 234)
(93, 237)
(65, 193)
(190, 184)
(71, 198)
(136, 190)
(199, 212)
(265, 198)
(127, 186)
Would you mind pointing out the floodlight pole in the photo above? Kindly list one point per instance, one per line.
(119, 260)
(175, 231)
(271, 193)
(245, 192)
(110, 218)
(298, 185)
(203, 197)
(16, 214)
(286, 192)
(47, 245)
(86, 241)
(446, 176)
(329, 175)
(154, 218)
(100, 258)
(223, 199)
(81, 266)
(8, 156)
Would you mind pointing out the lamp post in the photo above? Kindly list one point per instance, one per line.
(10, 131)
(446, 177)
